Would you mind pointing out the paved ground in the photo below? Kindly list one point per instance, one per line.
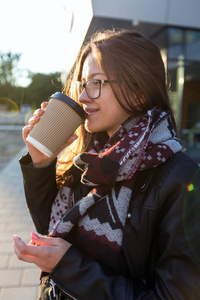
(10, 143)
(18, 280)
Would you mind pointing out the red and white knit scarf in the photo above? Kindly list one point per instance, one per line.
(100, 216)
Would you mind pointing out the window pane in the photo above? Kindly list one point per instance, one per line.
(193, 45)
(175, 43)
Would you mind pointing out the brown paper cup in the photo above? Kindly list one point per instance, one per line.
(61, 118)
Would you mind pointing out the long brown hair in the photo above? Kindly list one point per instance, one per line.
(135, 64)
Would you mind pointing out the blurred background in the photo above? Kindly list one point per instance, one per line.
(40, 40)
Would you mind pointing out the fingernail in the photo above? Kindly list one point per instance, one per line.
(14, 238)
(29, 126)
(34, 236)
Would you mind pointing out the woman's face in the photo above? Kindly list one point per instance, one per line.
(104, 113)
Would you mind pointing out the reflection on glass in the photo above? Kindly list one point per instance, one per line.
(175, 43)
(192, 47)
(175, 36)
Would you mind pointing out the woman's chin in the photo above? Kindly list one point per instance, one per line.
(92, 128)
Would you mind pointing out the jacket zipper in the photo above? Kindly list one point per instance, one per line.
(53, 288)
(53, 284)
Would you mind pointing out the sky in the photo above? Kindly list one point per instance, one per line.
(37, 29)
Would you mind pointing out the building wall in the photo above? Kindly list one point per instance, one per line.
(146, 16)
(170, 12)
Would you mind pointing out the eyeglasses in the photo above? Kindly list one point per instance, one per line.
(92, 87)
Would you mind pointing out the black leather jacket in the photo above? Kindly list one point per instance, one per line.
(161, 242)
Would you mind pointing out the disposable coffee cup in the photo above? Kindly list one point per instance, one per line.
(61, 118)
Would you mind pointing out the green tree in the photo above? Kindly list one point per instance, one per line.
(9, 92)
(41, 88)
(8, 68)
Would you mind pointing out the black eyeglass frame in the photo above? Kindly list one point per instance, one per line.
(100, 81)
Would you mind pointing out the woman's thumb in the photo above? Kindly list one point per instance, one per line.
(42, 241)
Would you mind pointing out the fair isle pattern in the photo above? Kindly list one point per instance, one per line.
(108, 229)
(101, 214)
(63, 202)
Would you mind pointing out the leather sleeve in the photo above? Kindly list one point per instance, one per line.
(177, 266)
(40, 191)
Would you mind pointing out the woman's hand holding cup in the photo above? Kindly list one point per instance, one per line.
(39, 159)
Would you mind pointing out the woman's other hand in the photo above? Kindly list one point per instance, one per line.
(45, 252)
(39, 159)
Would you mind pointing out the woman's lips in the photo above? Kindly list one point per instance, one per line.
(90, 111)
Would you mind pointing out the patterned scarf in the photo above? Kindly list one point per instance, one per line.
(100, 216)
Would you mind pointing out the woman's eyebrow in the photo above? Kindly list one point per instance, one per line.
(92, 75)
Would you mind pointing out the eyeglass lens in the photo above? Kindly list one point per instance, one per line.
(92, 87)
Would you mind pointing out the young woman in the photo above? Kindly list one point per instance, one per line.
(121, 207)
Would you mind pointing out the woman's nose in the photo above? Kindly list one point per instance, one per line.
(83, 98)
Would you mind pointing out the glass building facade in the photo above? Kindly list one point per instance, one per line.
(181, 53)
